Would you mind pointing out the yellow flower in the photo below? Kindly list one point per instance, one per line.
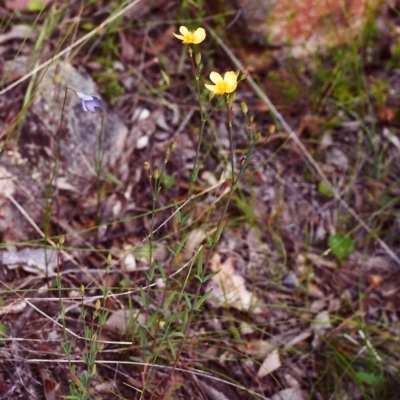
(227, 84)
(188, 37)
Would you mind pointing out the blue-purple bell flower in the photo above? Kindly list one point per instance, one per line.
(89, 103)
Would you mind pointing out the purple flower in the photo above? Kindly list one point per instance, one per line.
(89, 103)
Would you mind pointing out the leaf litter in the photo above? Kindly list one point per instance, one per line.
(276, 295)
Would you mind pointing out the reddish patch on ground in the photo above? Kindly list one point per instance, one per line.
(311, 24)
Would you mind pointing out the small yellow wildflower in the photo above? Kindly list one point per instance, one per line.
(188, 37)
(227, 84)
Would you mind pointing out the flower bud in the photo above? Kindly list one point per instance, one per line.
(243, 75)
(174, 144)
(197, 58)
(271, 129)
(257, 135)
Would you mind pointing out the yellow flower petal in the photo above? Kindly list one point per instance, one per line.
(227, 84)
(230, 77)
(231, 81)
(188, 36)
(211, 88)
(183, 30)
(180, 37)
(199, 35)
(215, 77)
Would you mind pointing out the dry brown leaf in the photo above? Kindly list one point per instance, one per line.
(105, 387)
(128, 51)
(391, 137)
(256, 348)
(246, 329)
(322, 322)
(375, 280)
(270, 364)
(13, 308)
(229, 288)
(316, 260)
(301, 337)
(17, 32)
(314, 291)
(118, 322)
(195, 239)
(128, 258)
(387, 114)
(377, 262)
(209, 178)
(289, 394)
(7, 187)
(291, 381)
(320, 325)
(129, 263)
(37, 261)
(213, 393)
(49, 385)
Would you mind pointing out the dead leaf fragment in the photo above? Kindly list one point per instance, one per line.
(292, 381)
(375, 280)
(392, 138)
(14, 308)
(140, 114)
(257, 348)
(37, 261)
(119, 321)
(320, 325)
(289, 394)
(229, 288)
(270, 364)
(7, 187)
(213, 393)
(246, 329)
(322, 322)
(195, 239)
(105, 387)
(49, 385)
(17, 32)
(142, 142)
(129, 263)
(386, 114)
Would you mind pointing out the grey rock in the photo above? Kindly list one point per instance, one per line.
(290, 280)
(80, 133)
(31, 158)
(253, 16)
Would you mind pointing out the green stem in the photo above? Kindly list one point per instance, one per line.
(196, 167)
(99, 169)
(49, 186)
(220, 226)
(219, 230)
(232, 152)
